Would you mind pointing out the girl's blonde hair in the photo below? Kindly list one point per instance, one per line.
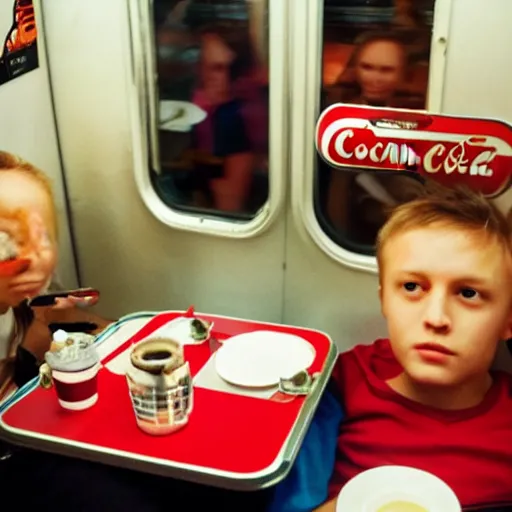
(11, 162)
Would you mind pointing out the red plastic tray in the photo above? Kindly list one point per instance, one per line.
(228, 436)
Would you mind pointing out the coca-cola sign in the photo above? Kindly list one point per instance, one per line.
(451, 150)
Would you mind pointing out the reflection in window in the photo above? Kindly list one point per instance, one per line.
(375, 52)
(212, 70)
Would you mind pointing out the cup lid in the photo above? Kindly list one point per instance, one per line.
(157, 355)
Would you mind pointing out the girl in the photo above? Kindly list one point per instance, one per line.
(28, 220)
(46, 481)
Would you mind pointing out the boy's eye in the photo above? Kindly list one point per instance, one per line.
(468, 293)
(410, 286)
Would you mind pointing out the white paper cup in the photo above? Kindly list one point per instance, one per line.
(76, 390)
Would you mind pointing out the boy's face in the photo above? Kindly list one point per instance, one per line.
(447, 299)
(20, 191)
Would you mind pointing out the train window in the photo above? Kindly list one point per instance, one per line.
(375, 52)
(210, 111)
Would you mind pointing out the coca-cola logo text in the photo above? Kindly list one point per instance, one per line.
(453, 151)
(362, 148)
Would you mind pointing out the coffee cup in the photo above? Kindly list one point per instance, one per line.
(160, 386)
(71, 368)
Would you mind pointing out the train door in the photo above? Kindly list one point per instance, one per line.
(157, 102)
(134, 83)
(448, 56)
(27, 126)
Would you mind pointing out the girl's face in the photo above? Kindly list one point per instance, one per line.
(32, 226)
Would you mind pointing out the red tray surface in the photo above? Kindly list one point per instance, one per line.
(226, 432)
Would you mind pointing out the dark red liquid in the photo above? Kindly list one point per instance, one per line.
(77, 391)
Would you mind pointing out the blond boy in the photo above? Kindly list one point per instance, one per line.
(427, 397)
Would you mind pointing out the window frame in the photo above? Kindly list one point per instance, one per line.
(307, 49)
(143, 97)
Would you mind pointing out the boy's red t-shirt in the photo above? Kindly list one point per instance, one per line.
(470, 449)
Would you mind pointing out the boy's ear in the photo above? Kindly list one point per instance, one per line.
(507, 332)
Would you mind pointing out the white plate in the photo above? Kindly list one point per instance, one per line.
(179, 116)
(376, 487)
(259, 359)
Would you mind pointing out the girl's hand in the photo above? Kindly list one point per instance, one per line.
(65, 310)
(71, 301)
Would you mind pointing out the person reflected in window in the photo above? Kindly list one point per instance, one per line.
(230, 143)
(220, 65)
(376, 76)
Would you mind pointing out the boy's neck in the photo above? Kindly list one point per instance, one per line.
(462, 396)
(4, 308)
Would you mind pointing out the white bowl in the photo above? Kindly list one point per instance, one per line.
(372, 489)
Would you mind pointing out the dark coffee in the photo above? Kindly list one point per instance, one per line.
(156, 356)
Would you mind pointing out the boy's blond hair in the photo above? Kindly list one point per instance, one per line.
(11, 162)
(459, 208)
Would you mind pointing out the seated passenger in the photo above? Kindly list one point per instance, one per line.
(28, 220)
(427, 396)
(33, 480)
(231, 144)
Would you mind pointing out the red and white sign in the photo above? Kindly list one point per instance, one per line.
(451, 150)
